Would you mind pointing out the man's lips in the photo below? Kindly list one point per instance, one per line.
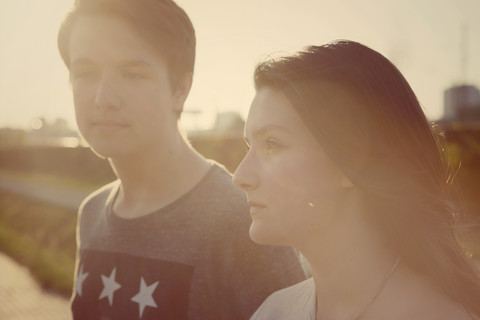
(109, 123)
(109, 127)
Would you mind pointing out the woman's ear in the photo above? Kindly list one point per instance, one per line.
(346, 183)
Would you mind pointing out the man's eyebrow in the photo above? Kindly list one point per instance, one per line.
(123, 64)
(135, 64)
(80, 62)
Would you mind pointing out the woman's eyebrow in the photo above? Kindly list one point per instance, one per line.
(266, 128)
(270, 127)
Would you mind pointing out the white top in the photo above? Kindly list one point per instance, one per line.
(296, 302)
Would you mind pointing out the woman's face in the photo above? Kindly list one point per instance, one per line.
(294, 189)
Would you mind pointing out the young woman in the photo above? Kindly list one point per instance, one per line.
(344, 167)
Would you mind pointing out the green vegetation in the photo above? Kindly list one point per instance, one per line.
(42, 237)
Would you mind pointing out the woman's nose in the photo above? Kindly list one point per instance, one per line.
(245, 176)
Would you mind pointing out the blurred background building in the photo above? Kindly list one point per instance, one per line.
(462, 104)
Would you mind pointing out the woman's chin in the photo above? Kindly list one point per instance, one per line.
(261, 235)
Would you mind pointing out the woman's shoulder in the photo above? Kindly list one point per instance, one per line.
(415, 297)
(294, 302)
(436, 311)
(438, 306)
(303, 288)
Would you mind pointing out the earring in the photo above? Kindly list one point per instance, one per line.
(346, 183)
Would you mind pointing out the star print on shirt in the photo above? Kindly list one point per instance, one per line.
(144, 297)
(80, 278)
(109, 286)
(127, 287)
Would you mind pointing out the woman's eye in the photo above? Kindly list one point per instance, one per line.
(272, 144)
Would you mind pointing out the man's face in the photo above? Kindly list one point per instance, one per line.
(124, 102)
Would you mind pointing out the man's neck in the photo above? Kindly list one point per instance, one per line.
(156, 178)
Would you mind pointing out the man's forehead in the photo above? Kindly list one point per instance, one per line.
(105, 38)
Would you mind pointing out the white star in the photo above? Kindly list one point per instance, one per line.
(144, 297)
(109, 286)
(80, 278)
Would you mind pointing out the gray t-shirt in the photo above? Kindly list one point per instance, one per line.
(192, 259)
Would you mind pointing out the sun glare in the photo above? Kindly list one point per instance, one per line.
(36, 124)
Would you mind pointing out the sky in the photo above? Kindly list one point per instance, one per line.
(426, 39)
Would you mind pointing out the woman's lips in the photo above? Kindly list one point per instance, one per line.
(255, 207)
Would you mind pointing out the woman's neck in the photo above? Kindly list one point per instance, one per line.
(348, 270)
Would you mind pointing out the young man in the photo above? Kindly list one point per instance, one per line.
(168, 239)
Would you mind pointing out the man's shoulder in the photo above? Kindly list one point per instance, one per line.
(217, 189)
(219, 179)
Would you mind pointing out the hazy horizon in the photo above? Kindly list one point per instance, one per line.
(423, 38)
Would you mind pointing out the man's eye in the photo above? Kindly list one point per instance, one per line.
(83, 75)
(132, 75)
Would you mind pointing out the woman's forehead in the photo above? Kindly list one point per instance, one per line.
(270, 109)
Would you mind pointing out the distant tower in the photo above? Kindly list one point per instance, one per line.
(464, 54)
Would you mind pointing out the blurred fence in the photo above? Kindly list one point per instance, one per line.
(72, 163)
(81, 164)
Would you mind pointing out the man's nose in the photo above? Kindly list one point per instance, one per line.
(107, 94)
